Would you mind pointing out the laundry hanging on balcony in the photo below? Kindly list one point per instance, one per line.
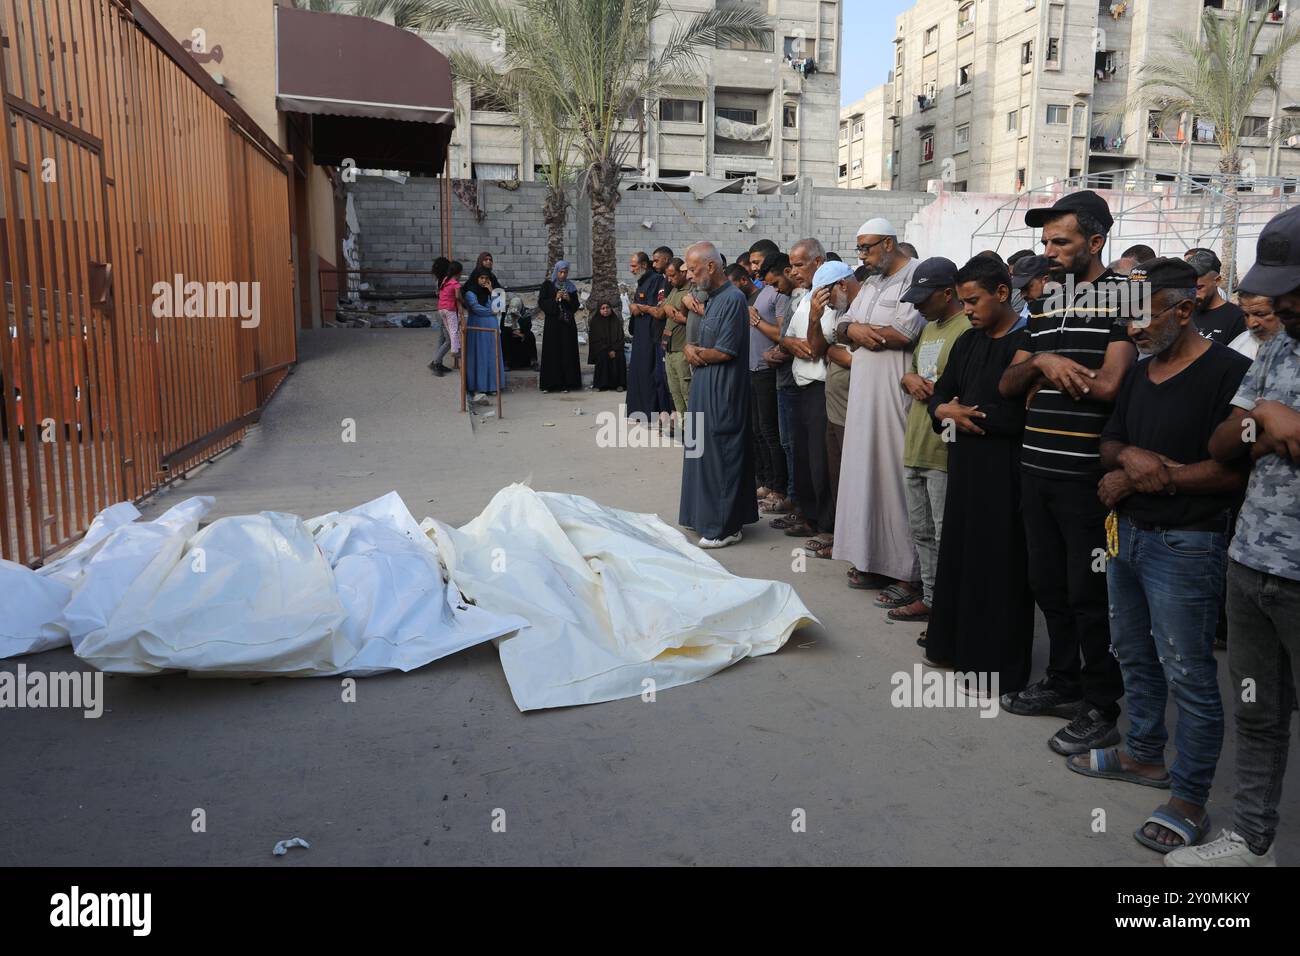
(742, 132)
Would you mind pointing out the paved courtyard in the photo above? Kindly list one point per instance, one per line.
(414, 770)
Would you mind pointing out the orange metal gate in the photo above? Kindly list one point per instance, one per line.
(145, 259)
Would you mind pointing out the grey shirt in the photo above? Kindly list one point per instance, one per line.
(1268, 529)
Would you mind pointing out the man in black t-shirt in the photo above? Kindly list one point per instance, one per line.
(1069, 374)
(1216, 317)
(1169, 552)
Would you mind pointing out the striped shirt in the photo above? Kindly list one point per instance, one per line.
(1063, 437)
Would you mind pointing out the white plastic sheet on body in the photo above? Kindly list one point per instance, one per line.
(613, 599)
(587, 603)
(359, 593)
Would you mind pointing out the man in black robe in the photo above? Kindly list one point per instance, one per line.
(718, 472)
(982, 621)
(643, 397)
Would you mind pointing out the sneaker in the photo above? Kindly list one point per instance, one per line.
(1089, 731)
(1041, 700)
(712, 544)
(1228, 850)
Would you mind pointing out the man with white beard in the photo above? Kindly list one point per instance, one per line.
(871, 525)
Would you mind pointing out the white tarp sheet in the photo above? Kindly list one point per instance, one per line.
(588, 603)
(613, 599)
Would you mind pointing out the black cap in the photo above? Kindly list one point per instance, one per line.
(1085, 201)
(1029, 268)
(1165, 273)
(1277, 257)
(1204, 261)
(930, 276)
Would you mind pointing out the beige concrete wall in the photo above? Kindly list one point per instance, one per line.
(245, 31)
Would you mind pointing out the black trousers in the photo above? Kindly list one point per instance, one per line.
(1065, 530)
(769, 456)
(811, 470)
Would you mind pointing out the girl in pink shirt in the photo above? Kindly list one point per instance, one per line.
(448, 310)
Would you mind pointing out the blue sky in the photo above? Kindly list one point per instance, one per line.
(868, 45)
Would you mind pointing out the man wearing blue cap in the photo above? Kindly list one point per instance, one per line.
(718, 482)
(1264, 562)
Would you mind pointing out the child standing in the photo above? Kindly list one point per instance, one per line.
(449, 310)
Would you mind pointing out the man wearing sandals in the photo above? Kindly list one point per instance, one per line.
(871, 526)
(1173, 507)
(925, 454)
(1264, 563)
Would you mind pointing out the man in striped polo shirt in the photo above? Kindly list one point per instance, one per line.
(1069, 377)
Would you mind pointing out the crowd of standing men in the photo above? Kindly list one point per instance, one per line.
(1118, 445)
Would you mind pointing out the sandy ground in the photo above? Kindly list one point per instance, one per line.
(416, 770)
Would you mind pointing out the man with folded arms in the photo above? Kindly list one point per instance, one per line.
(1264, 563)
(1173, 508)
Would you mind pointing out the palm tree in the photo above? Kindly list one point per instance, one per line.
(593, 63)
(1218, 78)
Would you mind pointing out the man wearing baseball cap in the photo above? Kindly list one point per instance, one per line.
(925, 454)
(834, 287)
(1028, 277)
(1069, 375)
(1264, 562)
(1216, 317)
(1165, 577)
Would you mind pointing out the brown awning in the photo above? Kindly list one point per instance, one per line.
(376, 94)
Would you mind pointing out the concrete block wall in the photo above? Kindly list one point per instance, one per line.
(400, 224)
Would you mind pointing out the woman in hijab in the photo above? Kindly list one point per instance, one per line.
(484, 263)
(517, 339)
(605, 334)
(483, 365)
(558, 300)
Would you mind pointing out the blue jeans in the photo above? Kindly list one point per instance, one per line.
(1165, 591)
(787, 418)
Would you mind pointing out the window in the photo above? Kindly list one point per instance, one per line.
(927, 148)
(844, 134)
(486, 102)
(1058, 115)
(963, 136)
(857, 166)
(681, 111)
(844, 170)
(1054, 50)
(800, 48)
(740, 174)
(966, 16)
(790, 116)
(764, 44)
(964, 75)
(1105, 65)
(737, 114)
(1080, 119)
(1027, 52)
(859, 126)
(1255, 126)
(931, 39)
(1204, 131)
(1020, 178)
(1013, 121)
